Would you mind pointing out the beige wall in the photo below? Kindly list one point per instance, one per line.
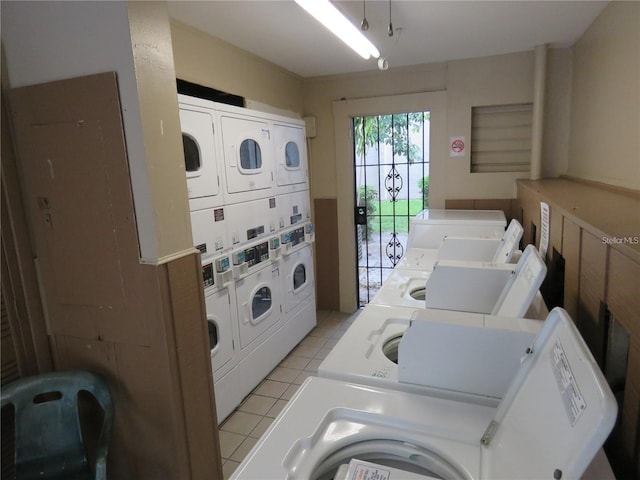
(321, 92)
(557, 112)
(40, 40)
(208, 61)
(497, 80)
(155, 81)
(605, 123)
(460, 85)
(599, 75)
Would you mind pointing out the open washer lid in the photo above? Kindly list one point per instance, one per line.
(555, 415)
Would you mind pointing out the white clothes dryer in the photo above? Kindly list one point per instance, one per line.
(291, 156)
(429, 227)
(247, 153)
(551, 423)
(368, 353)
(298, 277)
(259, 295)
(266, 332)
(201, 153)
(222, 324)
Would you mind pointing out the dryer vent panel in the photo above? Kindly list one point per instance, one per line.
(207, 93)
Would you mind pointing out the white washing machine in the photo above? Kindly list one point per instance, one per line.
(201, 152)
(251, 220)
(291, 156)
(551, 423)
(499, 289)
(477, 249)
(368, 353)
(293, 209)
(248, 157)
(403, 288)
(429, 227)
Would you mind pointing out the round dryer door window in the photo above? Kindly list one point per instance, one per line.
(299, 277)
(292, 155)
(213, 335)
(192, 160)
(250, 155)
(261, 304)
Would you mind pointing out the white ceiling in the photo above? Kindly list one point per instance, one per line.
(425, 31)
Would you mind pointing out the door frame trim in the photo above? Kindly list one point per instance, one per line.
(343, 112)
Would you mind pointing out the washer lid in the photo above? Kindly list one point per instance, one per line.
(557, 412)
(436, 216)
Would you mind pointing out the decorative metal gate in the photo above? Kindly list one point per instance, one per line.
(391, 171)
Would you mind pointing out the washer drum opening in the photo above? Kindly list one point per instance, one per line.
(418, 293)
(391, 453)
(390, 348)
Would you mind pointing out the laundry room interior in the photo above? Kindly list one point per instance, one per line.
(288, 260)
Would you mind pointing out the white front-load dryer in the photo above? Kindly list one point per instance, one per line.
(552, 422)
(222, 324)
(368, 353)
(299, 294)
(298, 277)
(247, 155)
(259, 303)
(222, 327)
(201, 153)
(291, 156)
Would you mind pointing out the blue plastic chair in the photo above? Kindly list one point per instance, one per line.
(49, 440)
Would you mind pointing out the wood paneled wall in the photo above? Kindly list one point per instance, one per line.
(327, 260)
(597, 230)
(140, 326)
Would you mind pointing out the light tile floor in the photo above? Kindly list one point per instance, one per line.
(242, 429)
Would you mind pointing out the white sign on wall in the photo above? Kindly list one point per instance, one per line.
(544, 229)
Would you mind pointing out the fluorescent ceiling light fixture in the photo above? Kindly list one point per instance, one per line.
(330, 17)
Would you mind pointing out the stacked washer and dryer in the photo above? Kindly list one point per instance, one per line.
(247, 178)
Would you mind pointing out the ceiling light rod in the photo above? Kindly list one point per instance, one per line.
(330, 17)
